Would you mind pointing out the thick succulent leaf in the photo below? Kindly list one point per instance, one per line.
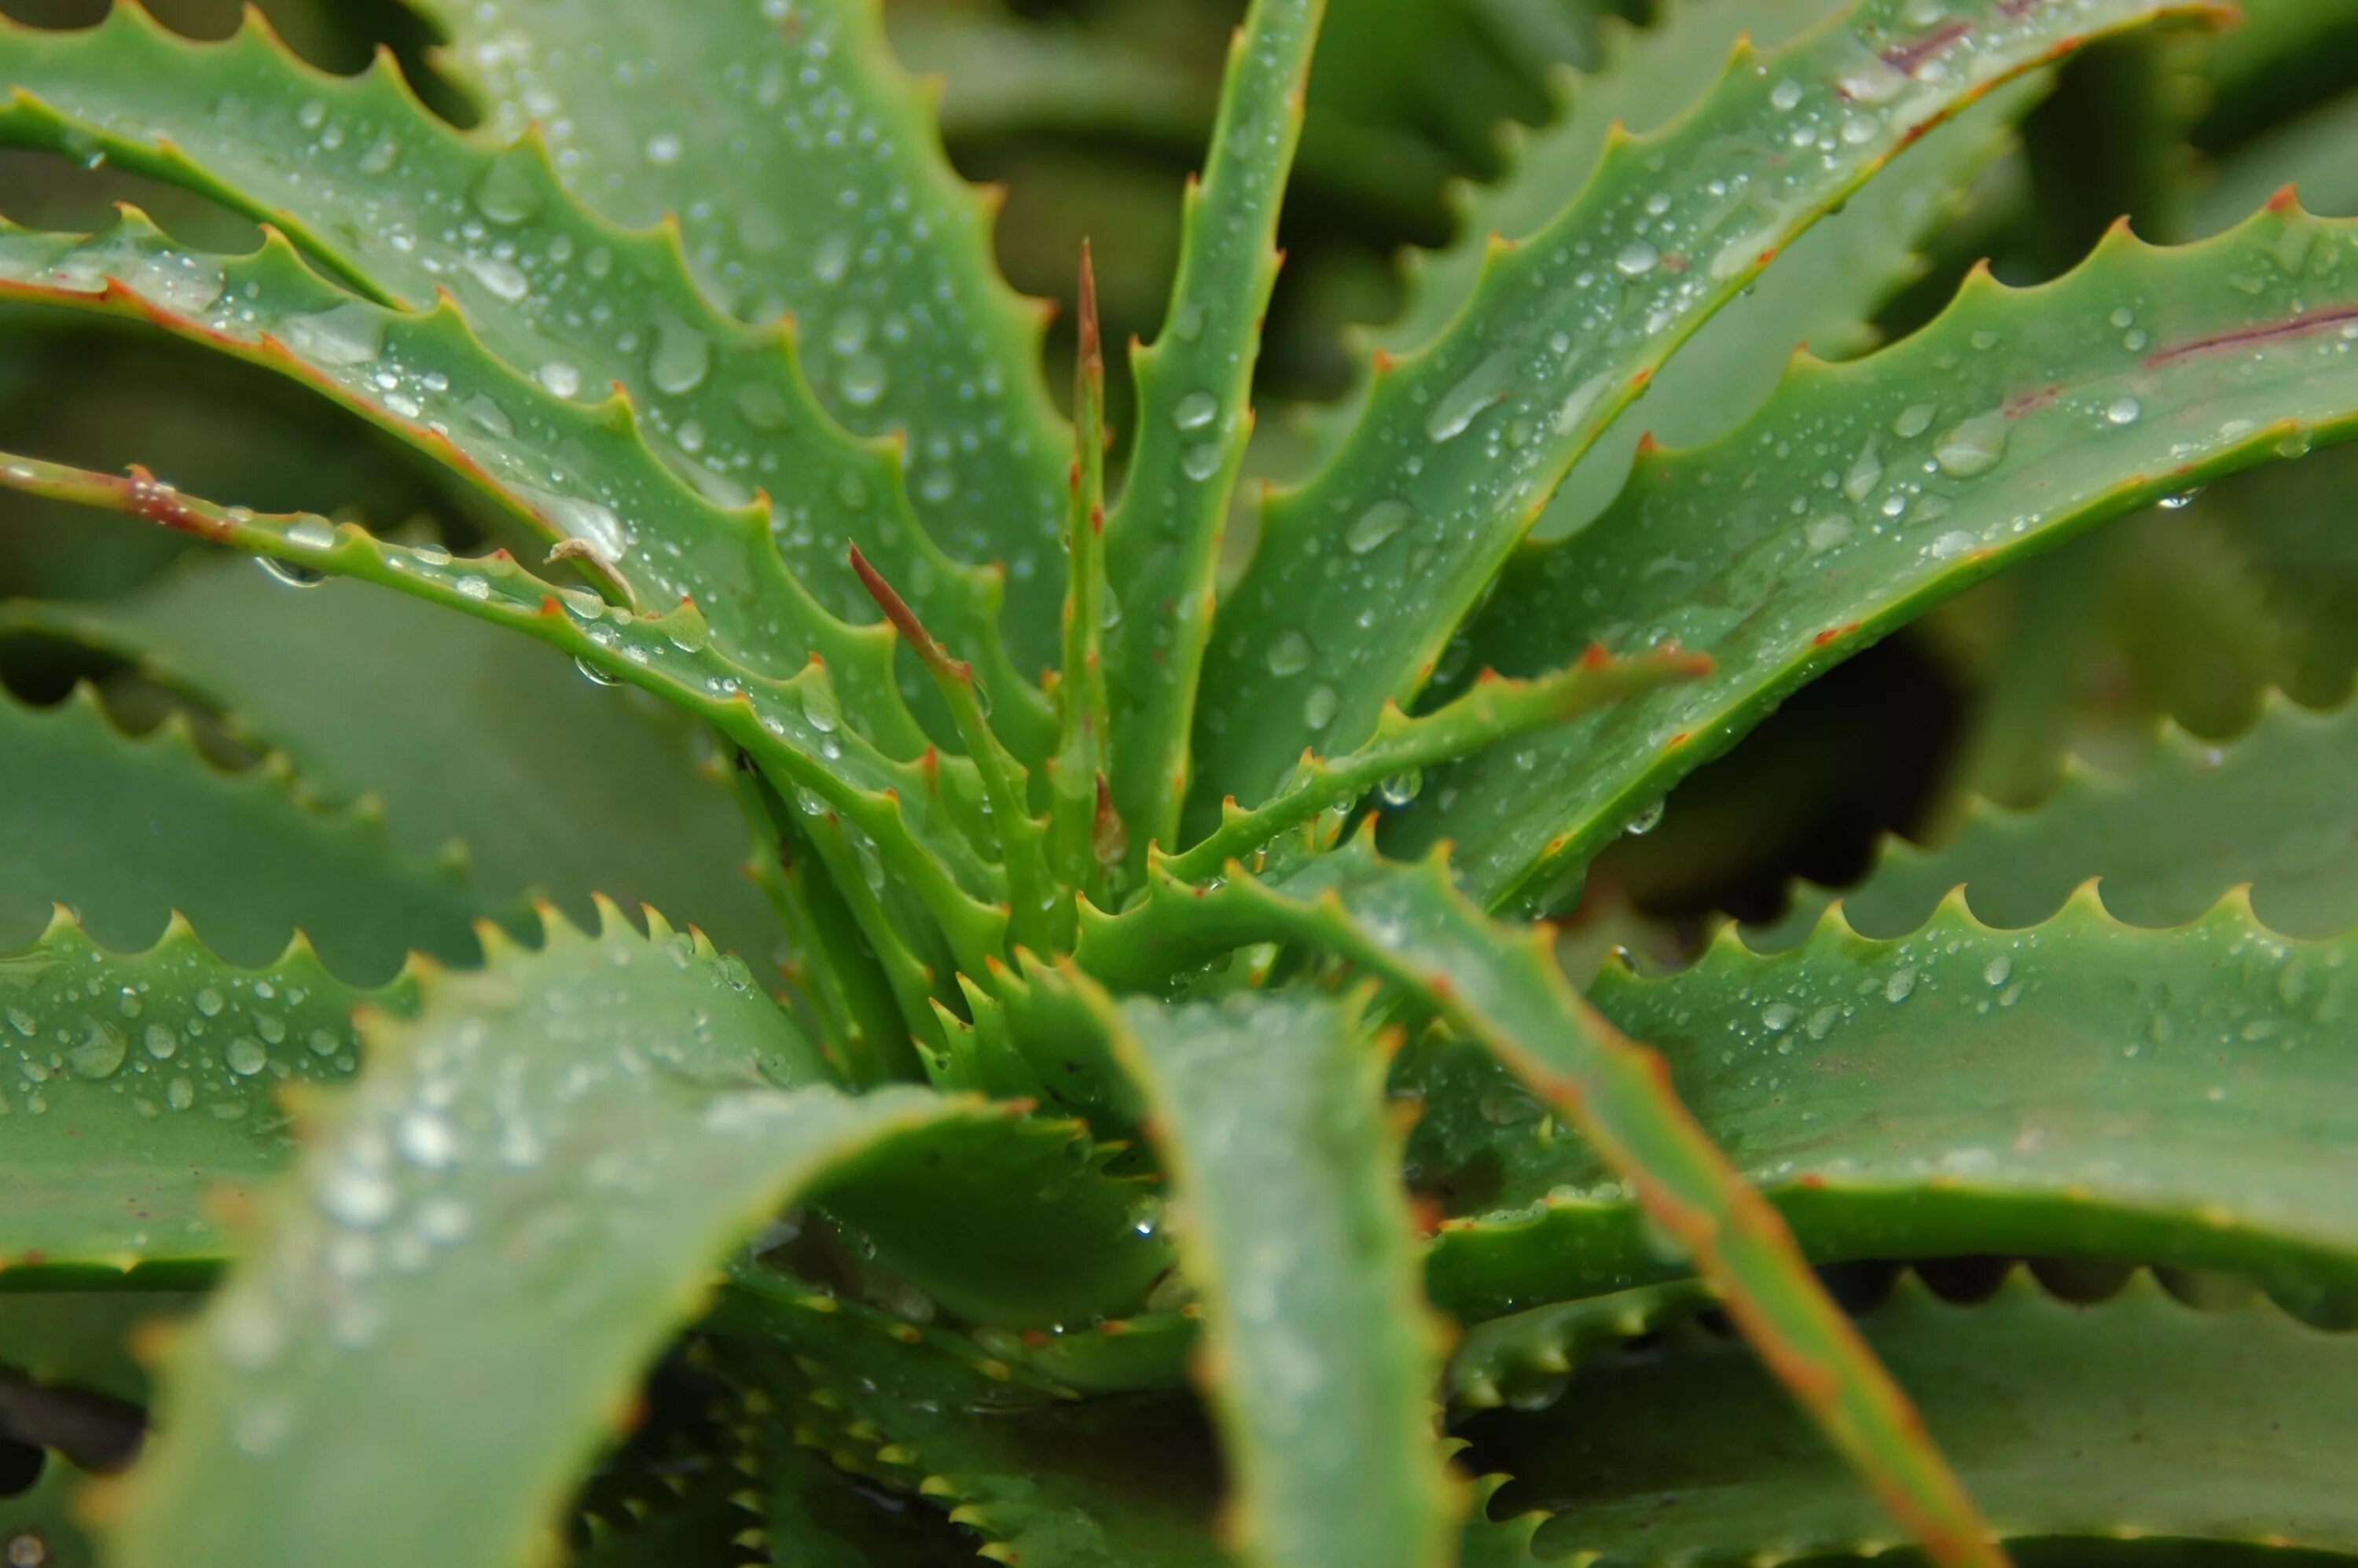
(1049, 1482)
(825, 194)
(1525, 1358)
(125, 830)
(2080, 1089)
(1462, 445)
(1163, 541)
(1038, 1236)
(2138, 1417)
(145, 1090)
(381, 193)
(1502, 988)
(899, 827)
(1393, 761)
(1866, 491)
(2272, 809)
(487, 1236)
(587, 790)
(1317, 1355)
(1823, 294)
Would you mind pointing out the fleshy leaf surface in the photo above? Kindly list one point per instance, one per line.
(2139, 1416)
(2081, 1087)
(587, 790)
(128, 829)
(1363, 573)
(1502, 987)
(523, 1191)
(2271, 809)
(1866, 491)
(145, 1090)
(827, 194)
(1317, 1355)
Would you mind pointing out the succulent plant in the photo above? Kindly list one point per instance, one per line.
(1138, 1108)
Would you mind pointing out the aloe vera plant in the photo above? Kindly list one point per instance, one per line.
(960, 1026)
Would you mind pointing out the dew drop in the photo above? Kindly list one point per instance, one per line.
(665, 150)
(160, 1042)
(100, 1053)
(1948, 547)
(1997, 971)
(2123, 411)
(1646, 820)
(503, 279)
(595, 675)
(561, 377)
(1289, 653)
(1318, 707)
(210, 1002)
(1637, 259)
(349, 335)
(1487, 384)
(179, 1094)
(1400, 788)
(683, 358)
(1901, 983)
(245, 1056)
(863, 379)
(288, 573)
(1202, 461)
(1377, 523)
(1826, 532)
(1913, 421)
(1195, 410)
(507, 194)
(1974, 447)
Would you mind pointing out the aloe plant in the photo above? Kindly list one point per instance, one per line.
(1135, 1106)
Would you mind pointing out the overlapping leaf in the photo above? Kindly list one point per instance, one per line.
(1865, 492)
(1363, 573)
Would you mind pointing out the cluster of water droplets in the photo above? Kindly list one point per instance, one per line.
(801, 187)
(493, 1118)
(171, 1034)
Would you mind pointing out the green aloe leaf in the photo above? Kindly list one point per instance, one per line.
(128, 829)
(1866, 491)
(1317, 1355)
(827, 196)
(1501, 987)
(2081, 1087)
(2193, 818)
(900, 827)
(1462, 445)
(1162, 544)
(146, 1091)
(387, 196)
(521, 1193)
(588, 792)
(1048, 1481)
(1526, 1357)
(2134, 1418)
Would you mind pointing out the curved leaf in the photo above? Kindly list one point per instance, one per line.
(1163, 543)
(2271, 809)
(2138, 1417)
(2080, 1089)
(1317, 1358)
(588, 791)
(1501, 987)
(378, 190)
(1363, 573)
(505, 1215)
(1867, 490)
(143, 1092)
(900, 827)
(826, 195)
(126, 830)
(1051, 1483)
